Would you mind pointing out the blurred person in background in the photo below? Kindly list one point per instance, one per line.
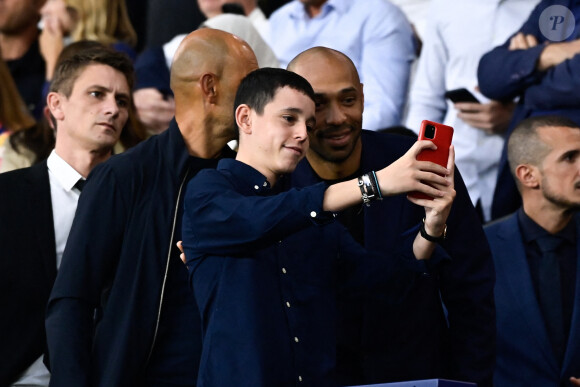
(374, 34)
(248, 8)
(67, 21)
(17, 126)
(20, 49)
(452, 47)
(153, 96)
(538, 65)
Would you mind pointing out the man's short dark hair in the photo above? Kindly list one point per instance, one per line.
(259, 87)
(524, 144)
(75, 57)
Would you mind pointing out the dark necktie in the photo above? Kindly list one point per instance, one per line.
(80, 184)
(550, 292)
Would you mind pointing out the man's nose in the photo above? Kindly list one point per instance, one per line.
(335, 114)
(301, 132)
(112, 106)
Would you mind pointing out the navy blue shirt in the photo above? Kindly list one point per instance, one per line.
(265, 265)
(531, 231)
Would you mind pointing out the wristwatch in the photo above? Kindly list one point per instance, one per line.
(432, 238)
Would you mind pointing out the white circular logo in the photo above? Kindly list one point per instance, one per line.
(557, 23)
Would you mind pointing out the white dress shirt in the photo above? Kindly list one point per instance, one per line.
(64, 200)
(260, 22)
(458, 34)
(374, 34)
(417, 11)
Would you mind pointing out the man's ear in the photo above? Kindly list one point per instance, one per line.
(528, 175)
(244, 118)
(208, 84)
(54, 104)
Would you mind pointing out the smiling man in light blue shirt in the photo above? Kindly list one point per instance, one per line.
(375, 34)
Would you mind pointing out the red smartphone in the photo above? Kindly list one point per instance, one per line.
(441, 135)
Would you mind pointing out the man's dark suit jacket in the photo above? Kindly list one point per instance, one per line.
(524, 353)
(27, 267)
(403, 333)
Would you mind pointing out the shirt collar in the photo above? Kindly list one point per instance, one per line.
(66, 175)
(532, 231)
(245, 175)
(298, 10)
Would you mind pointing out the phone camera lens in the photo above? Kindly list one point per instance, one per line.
(430, 131)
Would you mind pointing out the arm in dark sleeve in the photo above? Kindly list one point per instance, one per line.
(503, 74)
(557, 88)
(88, 264)
(467, 283)
(218, 220)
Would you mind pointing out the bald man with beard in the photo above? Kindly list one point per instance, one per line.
(423, 326)
(121, 313)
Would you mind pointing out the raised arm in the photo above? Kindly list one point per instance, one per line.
(214, 207)
(404, 175)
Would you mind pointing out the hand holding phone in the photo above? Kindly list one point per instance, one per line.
(441, 135)
(406, 174)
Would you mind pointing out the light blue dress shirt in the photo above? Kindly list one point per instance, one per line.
(375, 34)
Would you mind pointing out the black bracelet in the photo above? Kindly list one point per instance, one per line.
(432, 238)
(369, 188)
(375, 185)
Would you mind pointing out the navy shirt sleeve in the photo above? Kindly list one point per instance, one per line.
(224, 221)
(218, 220)
(504, 74)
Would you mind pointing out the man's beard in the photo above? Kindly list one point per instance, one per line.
(558, 199)
(336, 154)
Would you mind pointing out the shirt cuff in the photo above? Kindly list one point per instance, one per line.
(314, 199)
